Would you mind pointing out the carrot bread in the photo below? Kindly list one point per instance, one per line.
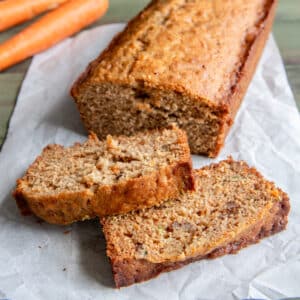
(188, 62)
(118, 175)
(233, 206)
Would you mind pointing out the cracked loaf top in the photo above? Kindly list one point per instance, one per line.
(196, 47)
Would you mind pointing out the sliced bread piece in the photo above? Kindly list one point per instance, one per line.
(118, 175)
(233, 206)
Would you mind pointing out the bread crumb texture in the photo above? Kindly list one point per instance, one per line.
(97, 163)
(116, 175)
(230, 199)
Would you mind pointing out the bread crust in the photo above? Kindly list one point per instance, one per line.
(127, 195)
(226, 108)
(143, 192)
(245, 75)
(130, 271)
(74, 91)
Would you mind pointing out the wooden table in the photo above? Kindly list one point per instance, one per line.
(286, 30)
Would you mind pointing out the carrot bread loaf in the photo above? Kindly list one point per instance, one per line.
(188, 62)
(233, 206)
(118, 175)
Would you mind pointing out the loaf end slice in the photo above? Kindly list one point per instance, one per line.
(188, 62)
(99, 178)
(233, 206)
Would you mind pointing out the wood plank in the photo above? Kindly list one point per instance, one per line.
(122, 11)
(9, 87)
(288, 10)
(9, 84)
(286, 32)
(5, 113)
(287, 35)
(293, 72)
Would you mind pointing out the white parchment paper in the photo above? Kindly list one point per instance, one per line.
(41, 261)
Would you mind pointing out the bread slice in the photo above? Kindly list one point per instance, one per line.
(233, 206)
(188, 62)
(118, 175)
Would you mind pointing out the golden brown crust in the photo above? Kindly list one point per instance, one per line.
(92, 65)
(158, 18)
(246, 73)
(61, 209)
(130, 271)
(137, 193)
(145, 191)
(21, 203)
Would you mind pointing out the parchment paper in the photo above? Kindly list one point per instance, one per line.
(41, 261)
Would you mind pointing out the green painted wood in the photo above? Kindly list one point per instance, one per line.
(288, 9)
(5, 111)
(9, 87)
(293, 72)
(286, 31)
(122, 10)
(287, 34)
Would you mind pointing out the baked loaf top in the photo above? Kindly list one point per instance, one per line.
(231, 203)
(107, 177)
(194, 47)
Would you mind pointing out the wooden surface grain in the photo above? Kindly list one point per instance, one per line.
(286, 30)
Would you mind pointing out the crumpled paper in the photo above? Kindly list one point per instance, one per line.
(42, 261)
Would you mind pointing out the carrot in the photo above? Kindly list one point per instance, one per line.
(56, 25)
(13, 12)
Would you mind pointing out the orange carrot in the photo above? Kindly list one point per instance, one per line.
(13, 12)
(56, 25)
